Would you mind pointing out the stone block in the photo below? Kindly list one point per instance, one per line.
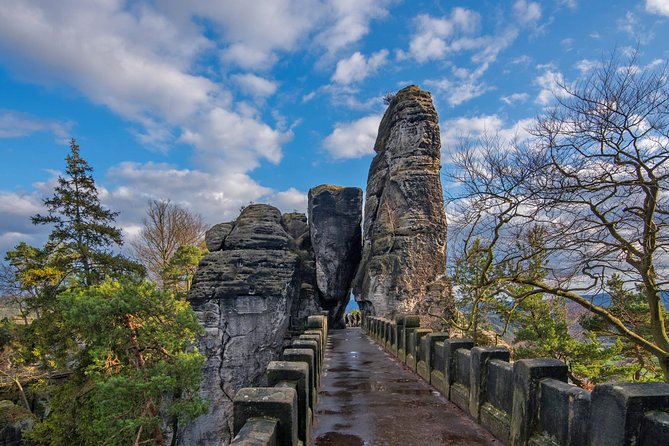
(564, 413)
(411, 321)
(527, 374)
(460, 387)
(450, 371)
(413, 351)
(311, 344)
(496, 411)
(256, 432)
(275, 403)
(478, 376)
(298, 372)
(404, 347)
(315, 322)
(321, 337)
(316, 338)
(437, 374)
(303, 355)
(655, 429)
(427, 354)
(618, 409)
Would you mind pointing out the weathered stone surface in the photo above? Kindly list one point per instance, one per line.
(258, 227)
(14, 421)
(404, 242)
(244, 296)
(216, 235)
(308, 303)
(335, 214)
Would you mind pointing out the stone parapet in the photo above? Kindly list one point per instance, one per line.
(529, 401)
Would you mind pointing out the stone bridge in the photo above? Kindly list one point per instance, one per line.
(394, 383)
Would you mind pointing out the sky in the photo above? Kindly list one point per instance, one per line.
(216, 104)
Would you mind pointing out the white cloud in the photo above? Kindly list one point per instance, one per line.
(140, 63)
(658, 7)
(357, 67)
(353, 139)
(515, 98)
(290, 200)
(586, 65)
(348, 22)
(527, 12)
(217, 195)
(255, 85)
(455, 131)
(309, 96)
(549, 82)
(15, 225)
(438, 36)
(14, 124)
(459, 90)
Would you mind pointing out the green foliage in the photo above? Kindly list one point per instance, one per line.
(178, 275)
(130, 349)
(544, 332)
(122, 350)
(631, 307)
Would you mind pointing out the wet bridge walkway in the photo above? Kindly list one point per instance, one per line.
(368, 398)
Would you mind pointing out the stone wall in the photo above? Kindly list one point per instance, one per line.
(527, 402)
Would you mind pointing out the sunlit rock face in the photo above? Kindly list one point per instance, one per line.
(335, 214)
(244, 294)
(404, 240)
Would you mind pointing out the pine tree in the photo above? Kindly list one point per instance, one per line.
(83, 230)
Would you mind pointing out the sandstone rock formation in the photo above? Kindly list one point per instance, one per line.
(308, 302)
(244, 295)
(335, 214)
(404, 241)
(215, 236)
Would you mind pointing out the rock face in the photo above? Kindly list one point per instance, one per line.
(404, 241)
(244, 294)
(335, 214)
(215, 236)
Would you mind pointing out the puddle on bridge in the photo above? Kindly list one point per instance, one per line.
(336, 439)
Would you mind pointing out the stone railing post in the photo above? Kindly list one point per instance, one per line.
(278, 403)
(478, 376)
(527, 375)
(298, 372)
(427, 354)
(617, 411)
(450, 347)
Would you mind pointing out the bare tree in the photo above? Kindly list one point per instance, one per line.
(166, 227)
(595, 178)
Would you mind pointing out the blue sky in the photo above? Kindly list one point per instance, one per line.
(214, 104)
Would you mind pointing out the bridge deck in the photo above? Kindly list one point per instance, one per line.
(367, 398)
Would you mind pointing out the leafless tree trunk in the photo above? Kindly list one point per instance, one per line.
(166, 227)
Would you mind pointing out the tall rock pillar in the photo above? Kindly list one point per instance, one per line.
(335, 214)
(404, 241)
